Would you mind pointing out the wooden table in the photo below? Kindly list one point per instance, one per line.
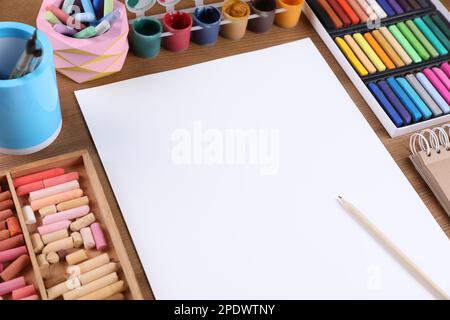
(75, 134)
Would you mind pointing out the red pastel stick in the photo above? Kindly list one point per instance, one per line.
(340, 12)
(37, 177)
(349, 11)
(27, 188)
(33, 297)
(60, 179)
(5, 214)
(23, 292)
(8, 286)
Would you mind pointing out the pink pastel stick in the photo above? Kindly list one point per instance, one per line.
(23, 292)
(49, 228)
(51, 191)
(11, 254)
(446, 67)
(442, 76)
(66, 215)
(99, 237)
(437, 84)
(8, 286)
(33, 297)
(61, 179)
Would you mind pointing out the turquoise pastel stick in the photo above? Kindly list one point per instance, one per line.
(412, 94)
(430, 36)
(441, 36)
(404, 98)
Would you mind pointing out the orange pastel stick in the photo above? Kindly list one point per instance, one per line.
(5, 196)
(13, 226)
(379, 51)
(349, 11)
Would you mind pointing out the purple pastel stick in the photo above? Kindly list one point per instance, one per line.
(398, 105)
(405, 5)
(397, 8)
(65, 30)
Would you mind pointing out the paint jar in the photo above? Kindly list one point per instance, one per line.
(237, 13)
(208, 18)
(30, 114)
(180, 25)
(265, 9)
(290, 17)
(146, 38)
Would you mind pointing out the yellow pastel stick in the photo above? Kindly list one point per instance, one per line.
(351, 56)
(360, 54)
(365, 46)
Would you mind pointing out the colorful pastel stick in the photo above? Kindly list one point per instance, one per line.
(378, 10)
(388, 48)
(70, 214)
(51, 18)
(49, 228)
(64, 17)
(397, 8)
(328, 16)
(340, 12)
(85, 17)
(386, 7)
(23, 292)
(414, 4)
(423, 40)
(358, 10)
(437, 84)
(405, 44)
(441, 24)
(422, 92)
(47, 192)
(413, 41)
(360, 54)
(349, 11)
(86, 33)
(67, 6)
(433, 92)
(369, 52)
(55, 199)
(87, 6)
(384, 102)
(60, 179)
(379, 51)
(98, 8)
(398, 105)
(351, 57)
(438, 33)
(442, 76)
(437, 44)
(11, 254)
(5, 214)
(401, 94)
(446, 68)
(37, 177)
(67, 31)
(8, 286)
(99, 237)
(108, 7)
(405, 5)
(397, 47)
(412, 94)
(368, 9)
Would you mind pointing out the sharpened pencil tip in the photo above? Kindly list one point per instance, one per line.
(340, 199)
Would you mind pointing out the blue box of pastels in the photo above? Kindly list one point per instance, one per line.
(396, 52)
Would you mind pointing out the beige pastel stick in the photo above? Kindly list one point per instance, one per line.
(99, 272)
(54, 280)
(44, 266)
(91, 287)
(88, 238)
(63, 287)
(368, 9)
(76, 257)
(77, 239)
(45, 211)
(75, 203)
(57, 198)
(90, 264)
(62, 244)
(81, 223)
(360, 54)
(51, 191)
(117, 296)
(54, 236)
(52, 258)
(37, 243)
(394, 44)
(105, 292)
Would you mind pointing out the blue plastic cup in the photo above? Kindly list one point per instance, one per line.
(146, 38)
(208, 18)
(30, 114)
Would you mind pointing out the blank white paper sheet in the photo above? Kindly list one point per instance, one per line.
(227, 174)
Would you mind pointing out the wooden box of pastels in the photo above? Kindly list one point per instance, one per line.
(58, 239)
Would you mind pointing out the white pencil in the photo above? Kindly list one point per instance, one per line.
(394, 250)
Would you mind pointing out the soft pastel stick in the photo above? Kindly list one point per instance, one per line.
(8, 286)
(4, 234)
(446, 68)
(59, 188)
(57, 198)
(351, 57)
(349, 11)
(397, 47)
(11, 254)
(358, 10)
(442, 76)
(379, 51)
(368, 9)
(398, 105)
(412, 94)
(13, 226)
(388, 48)
(421, 37)
(88, 238)
(34, 186)
(414, 4)
(397, 8)
(440, 87)
(63, 17)
(433, 92)
(5, 214)
(15, 267)
(51, 18)
(23, 292)
(401, 94)
(369, 52)
(384, 102)
(405, 44)
(360, 54)
(70, 214)
(50, 228)
(67, 6)
(413, 41)
(60, 179)
(328, 16)
(378, 10)
(112, 17)
(422, 92)
(424, 3)
(386, 7)
(340, 12)
(37, 177)
(437, 44)
(87, 6)
(86, 33)
(12, 242)
(85, 17)
(6, 204)
(33, 297)
(108, 7)
(67, 31)
(98, 8)
(405, 5)
(99, 237)
(5, 195)
(441, 24)
(438, 33)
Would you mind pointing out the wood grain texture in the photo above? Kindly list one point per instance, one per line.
(75, 135)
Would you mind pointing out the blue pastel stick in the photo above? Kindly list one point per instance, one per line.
(87, 6)
(386, 7)
(398, 105)
(412, 94)
(98, 7)
(84, 17)
(433, 92)
(401, 94)
(388, 108)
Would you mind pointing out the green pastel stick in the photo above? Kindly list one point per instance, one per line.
(430, 36)
(439, 34)
(51, 18)
(405, 44)
(419, 35)
(441, 24)
(108, 7)
(86, 33)
(413, 41)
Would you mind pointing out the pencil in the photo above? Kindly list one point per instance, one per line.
(392, 248)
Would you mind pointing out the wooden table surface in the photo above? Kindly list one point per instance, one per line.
(75, 135)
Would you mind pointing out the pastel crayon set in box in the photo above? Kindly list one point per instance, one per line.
(399, 64)
(69, 234)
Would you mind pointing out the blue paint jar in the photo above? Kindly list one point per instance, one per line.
(30, 114)
(208, 18)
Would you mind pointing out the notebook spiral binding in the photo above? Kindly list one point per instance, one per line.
(437, 137)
